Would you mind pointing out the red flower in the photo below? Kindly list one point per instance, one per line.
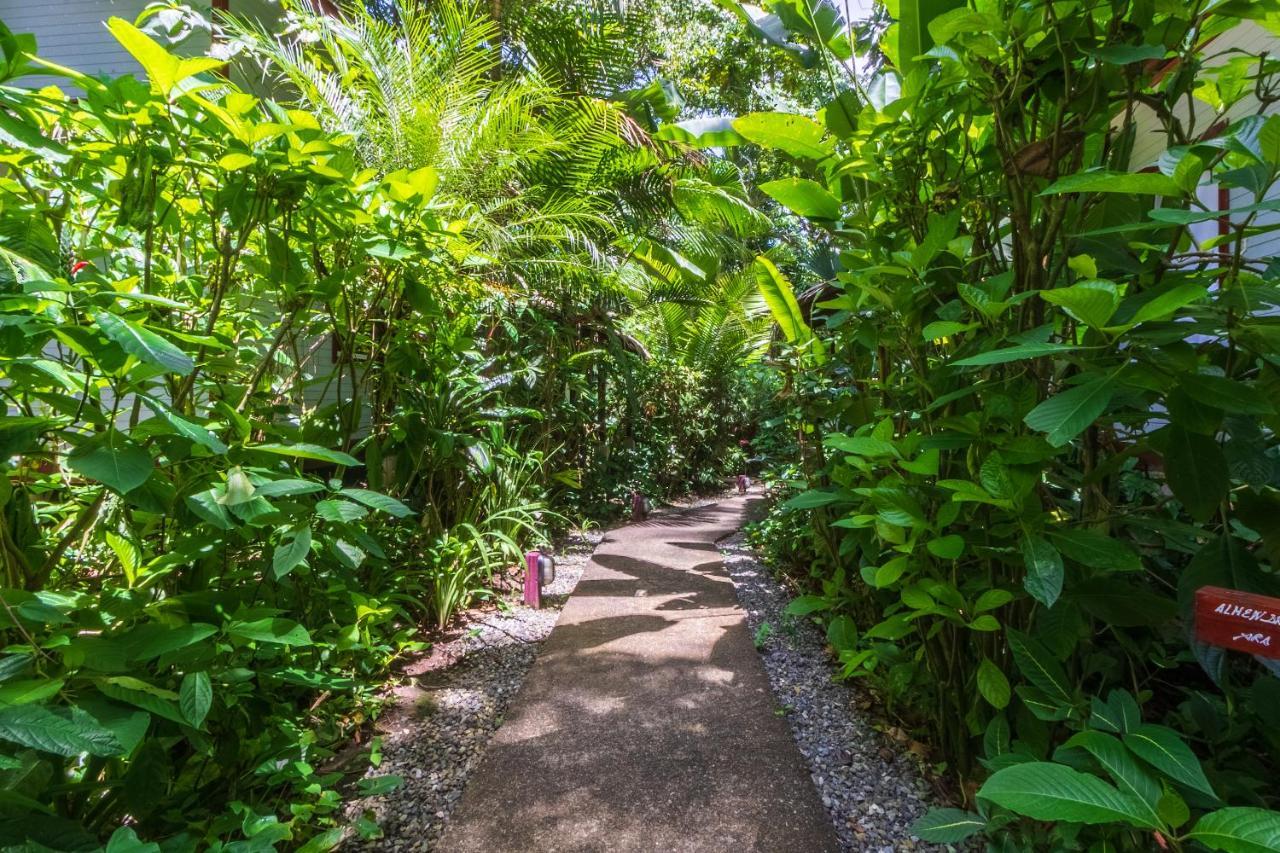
(77, 266)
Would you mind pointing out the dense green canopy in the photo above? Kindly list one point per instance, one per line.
(986, 292)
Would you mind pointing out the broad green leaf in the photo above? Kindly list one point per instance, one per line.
(1096, 550)
(1014, 353)
(861, 445)
(205, 504)
(994, 477)
(21, 135)
(235, 160)
(1130, 183)
(378, 501)
(944, 21)
(324, 842)
(1119, 714)
(1178, 216)
(375, 786)
(1067, 414)
(940, 329)
(782, 303)
(1196, 470)
(947, 826)
(291, 553)
(1173, 810)
(347, 553)
(340, 512)
(918, 24)
(894, 628)
(991, 599)
(1269, 134)
(888, 574)
(29, 690)
(142, 694)
(66, 732)
(946, 547)
(716, 132)
(191, 431)
(113, 460)
(1122, 767)
(280, 631)
(1227, 394)
(997, 739)
(818, 23)
(163, 69)
(144, 344)
(803, 197)
(307, 451)
(840, 115)
(917, 598)
(287, 486)
(807, 604)
(1041, 706)
(797, 135)
(1239, 830)
(842, 633)
(993, 685)
(127, 553)
(195, 697)
(1090, 302)
(125, 840)
(1127, 54)
(1164, 750)
(1053, 792)
(1041, 668)
(152, 639)
(942, 230)
(1163, 306)
(926, 464)
(1044, 570)
(1122, 604)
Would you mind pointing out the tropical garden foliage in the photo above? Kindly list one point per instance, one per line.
(1035, 408)
(295, 371)
(291, 382)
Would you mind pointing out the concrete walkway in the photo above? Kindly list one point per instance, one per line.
(646, 722)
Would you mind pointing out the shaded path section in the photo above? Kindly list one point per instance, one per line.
(647, 722)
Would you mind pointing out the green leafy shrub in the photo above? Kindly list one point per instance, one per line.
(1038, 412)
(280, 389)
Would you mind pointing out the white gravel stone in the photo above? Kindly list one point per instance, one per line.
(872, 800)
(460, 709)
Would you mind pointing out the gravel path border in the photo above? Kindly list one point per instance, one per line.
(438, 724)
(437, 729)
(871, 790)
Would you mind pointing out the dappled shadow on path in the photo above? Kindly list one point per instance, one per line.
(699, 587)
(647, 722)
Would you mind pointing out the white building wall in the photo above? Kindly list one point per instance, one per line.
(74, 33)
(1245, 39)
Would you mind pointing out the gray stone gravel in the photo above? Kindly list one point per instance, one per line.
(442, 722)
(439, 725)
(872, 791)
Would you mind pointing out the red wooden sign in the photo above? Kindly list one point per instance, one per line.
(1238, 620)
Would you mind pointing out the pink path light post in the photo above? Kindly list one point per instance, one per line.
(532, 580)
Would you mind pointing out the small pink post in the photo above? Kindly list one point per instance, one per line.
(532, 582)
